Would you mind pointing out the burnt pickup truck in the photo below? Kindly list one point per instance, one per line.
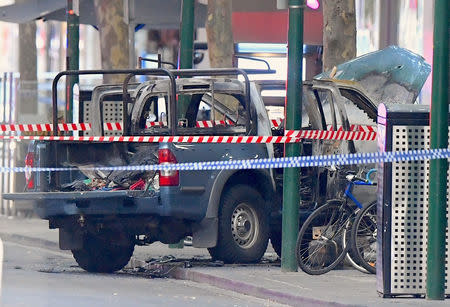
(101, 215)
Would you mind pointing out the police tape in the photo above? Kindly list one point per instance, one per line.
(353, 128)
(276, 122)
(362, 135)
(297, 136)
(210, 123)
(286, 162)
(159, 139)
(117, 126)
(44, 127)
(106, 126)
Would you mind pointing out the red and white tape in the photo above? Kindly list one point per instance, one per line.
(118, 126)
(110, 126)
(360, 128)
(210, 123)
(45, 127)
(159, 139)
(292, 136)
(106, 126)
(152, 124)
(276, 122)
(332, 135)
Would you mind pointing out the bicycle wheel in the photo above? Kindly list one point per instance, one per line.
(319, 246)
(364, 237)
(349, 256)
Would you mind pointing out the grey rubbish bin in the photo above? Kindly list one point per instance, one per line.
(403, 203)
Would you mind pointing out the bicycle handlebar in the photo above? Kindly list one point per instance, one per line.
(354, 178)
(370, 172)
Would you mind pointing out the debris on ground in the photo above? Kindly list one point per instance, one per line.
(161, 267)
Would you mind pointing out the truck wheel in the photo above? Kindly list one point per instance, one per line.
(100, 254)
(275, 239)
(243, 226)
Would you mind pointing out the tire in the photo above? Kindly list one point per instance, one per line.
(364, 237)
(275, 240)
(350, 256)
(319, 247)
(100, 254)
(243, 226)
(276, 231)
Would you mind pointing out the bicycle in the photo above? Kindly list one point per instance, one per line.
(364, 238)
(323, 239)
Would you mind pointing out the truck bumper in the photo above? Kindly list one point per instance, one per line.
(50, 204)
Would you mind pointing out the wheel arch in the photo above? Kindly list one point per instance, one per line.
(205, 233)
(260, 180)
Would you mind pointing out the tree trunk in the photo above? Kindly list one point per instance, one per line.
(219, 33)
(339, 32)
(27, 102)
(113, 37)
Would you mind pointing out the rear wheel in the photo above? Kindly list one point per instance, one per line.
(243, 226)
(104, 252)
(364, 237)
(319, 246)
(275, 240)
(350, 255)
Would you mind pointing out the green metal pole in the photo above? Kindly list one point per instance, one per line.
(186, 47)
(72, 57)
(293, 110)
(437, 218)
(185, 57)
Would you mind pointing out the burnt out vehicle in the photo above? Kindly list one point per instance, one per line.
(347, 98)
(101, 215)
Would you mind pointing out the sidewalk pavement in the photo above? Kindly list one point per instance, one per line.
(346, 287)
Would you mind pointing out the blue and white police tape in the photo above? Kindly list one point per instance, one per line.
(287, 162)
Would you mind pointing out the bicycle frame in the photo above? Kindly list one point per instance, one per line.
(349, 191)
(333, 223)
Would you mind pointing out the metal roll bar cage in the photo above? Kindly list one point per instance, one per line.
(171, 74)
(133, 72)
(159, 61)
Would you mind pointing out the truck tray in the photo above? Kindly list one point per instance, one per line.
(48, 204)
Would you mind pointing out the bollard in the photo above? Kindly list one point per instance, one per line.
(293, 110)
(437, 219)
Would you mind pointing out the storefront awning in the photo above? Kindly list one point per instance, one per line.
(256, 21)
(29, 10)
(155, 14)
